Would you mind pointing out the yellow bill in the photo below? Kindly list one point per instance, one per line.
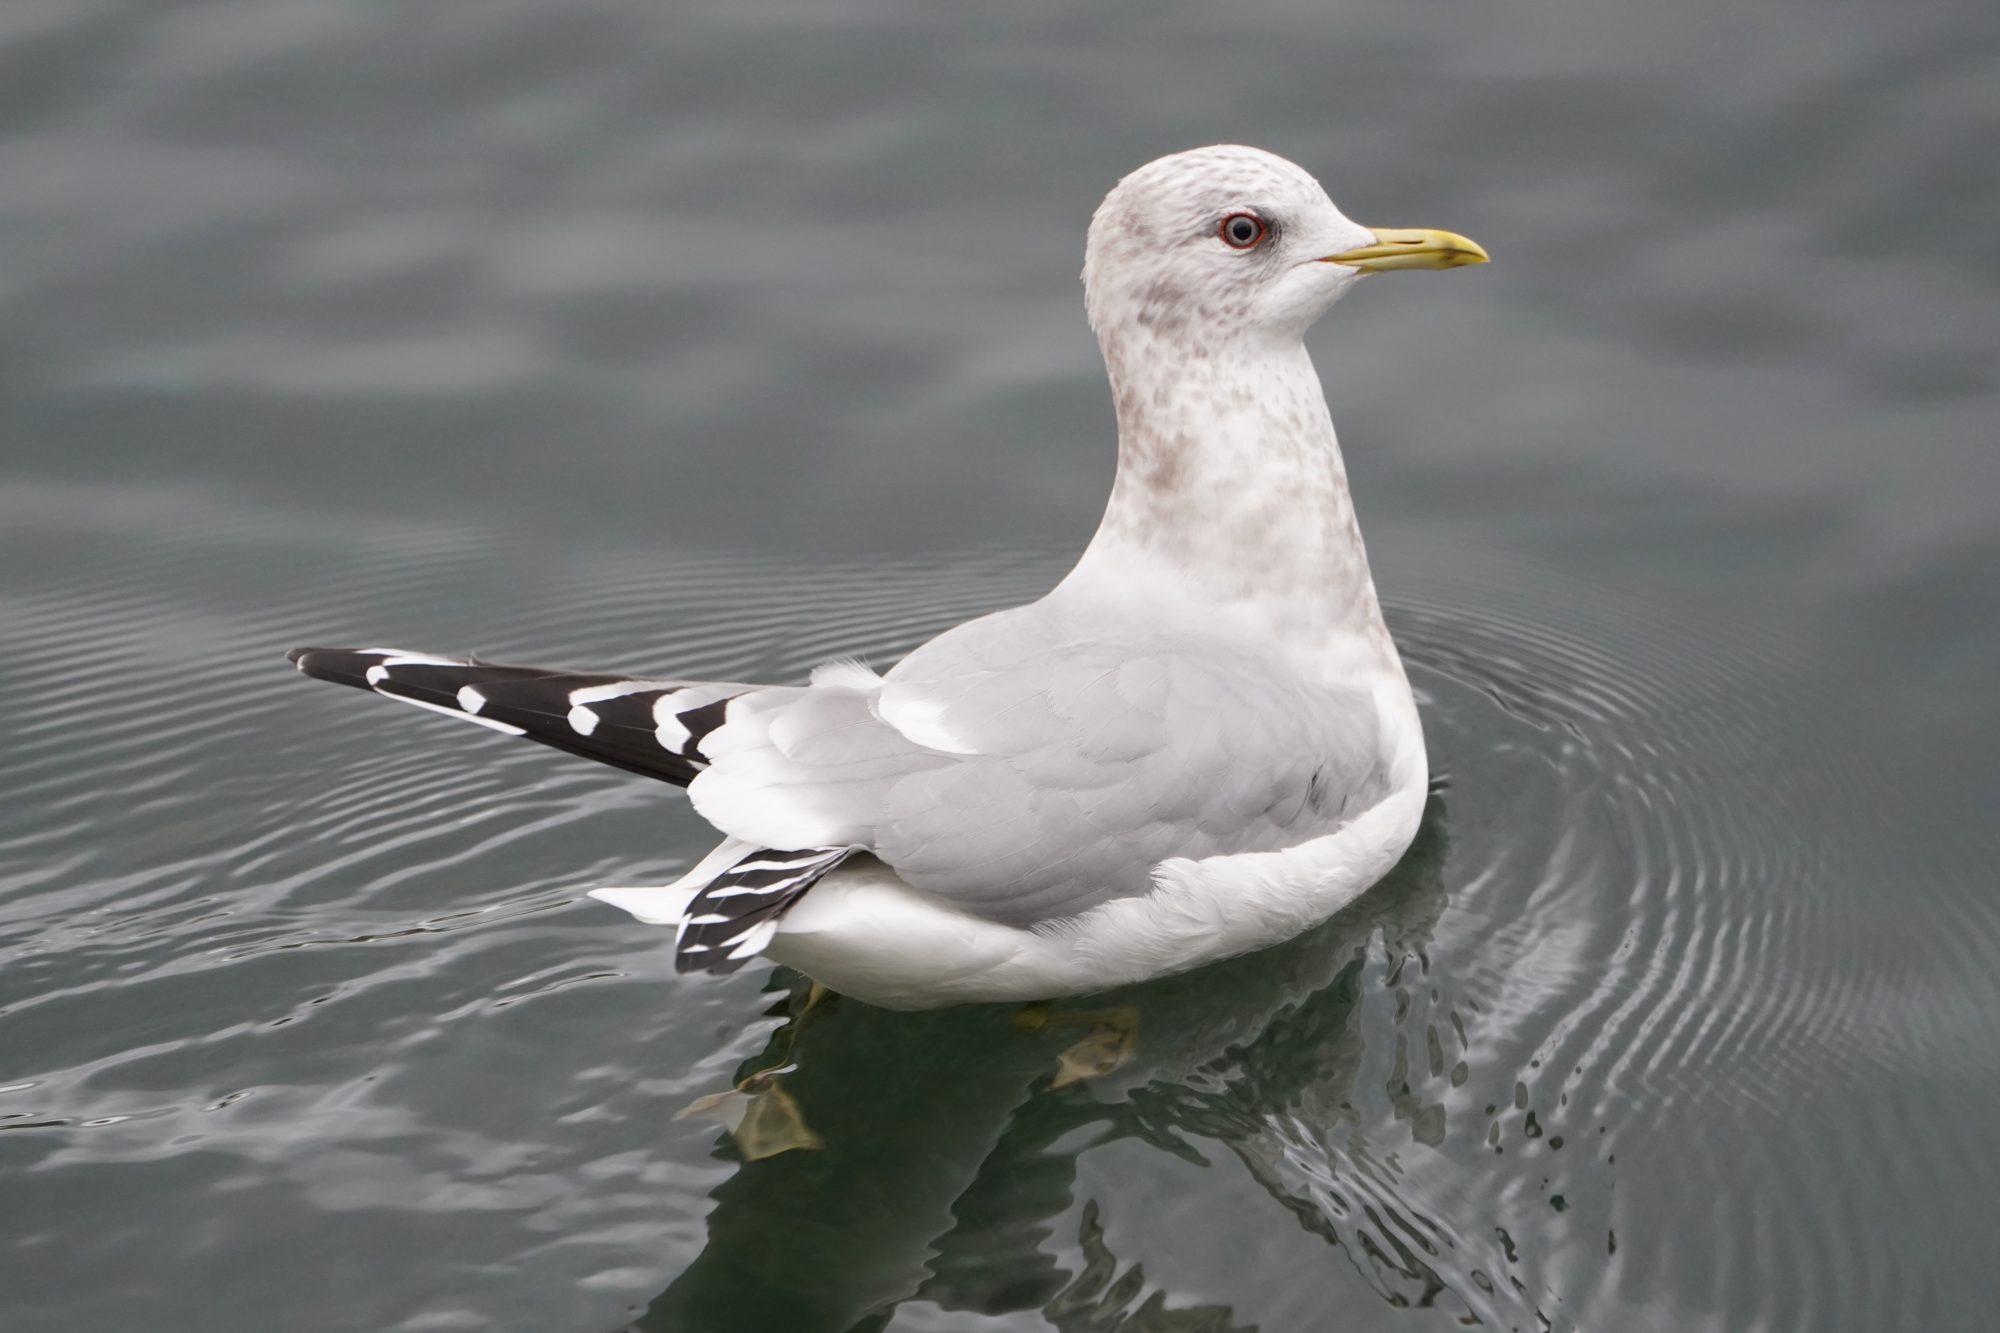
(1411, 247)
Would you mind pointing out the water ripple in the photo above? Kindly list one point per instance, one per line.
(240, 913)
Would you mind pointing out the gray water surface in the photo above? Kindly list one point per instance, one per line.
(723, 339)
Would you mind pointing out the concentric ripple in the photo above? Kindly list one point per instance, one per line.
(281, 946)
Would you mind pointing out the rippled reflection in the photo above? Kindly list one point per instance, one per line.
(333, 965)
(945, 1178)
(1332, 1068)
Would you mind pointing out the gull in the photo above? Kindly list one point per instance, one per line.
(1199, 743)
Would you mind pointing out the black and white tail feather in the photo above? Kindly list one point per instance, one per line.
(727, 908)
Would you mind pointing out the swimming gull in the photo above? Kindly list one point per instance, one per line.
(1201, 742)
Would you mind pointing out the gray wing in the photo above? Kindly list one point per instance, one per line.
(1032, 764)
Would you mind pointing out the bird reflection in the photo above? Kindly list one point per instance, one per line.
(950, 1162)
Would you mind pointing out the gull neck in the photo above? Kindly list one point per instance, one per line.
(1231, 490)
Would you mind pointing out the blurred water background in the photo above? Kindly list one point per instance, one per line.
(724, 338)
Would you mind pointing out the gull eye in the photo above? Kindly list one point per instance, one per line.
(1244, 231)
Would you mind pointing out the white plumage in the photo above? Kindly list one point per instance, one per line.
(1201, 742)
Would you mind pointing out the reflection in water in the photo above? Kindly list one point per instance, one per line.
(946, 1180)
(1099, 1299)
(1521, 1080)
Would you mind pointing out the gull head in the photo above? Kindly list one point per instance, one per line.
(1227, 241)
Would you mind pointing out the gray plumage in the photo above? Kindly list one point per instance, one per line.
(1034, 763)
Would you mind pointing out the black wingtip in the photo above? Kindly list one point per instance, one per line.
(342, 666)
(622, 730)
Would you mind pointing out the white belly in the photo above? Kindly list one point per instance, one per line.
(862, 932)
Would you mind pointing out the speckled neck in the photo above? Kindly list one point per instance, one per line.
(1230, 485)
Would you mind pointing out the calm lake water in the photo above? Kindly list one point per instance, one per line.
(721, 339)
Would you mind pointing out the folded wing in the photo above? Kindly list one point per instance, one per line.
(1027, 768)
(1024, 767)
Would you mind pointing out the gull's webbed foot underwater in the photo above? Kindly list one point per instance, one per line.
(1112, 1036)
(762, 1118)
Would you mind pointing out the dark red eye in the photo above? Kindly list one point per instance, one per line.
(1244, 231)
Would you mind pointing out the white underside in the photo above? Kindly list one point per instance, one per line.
(862, 932)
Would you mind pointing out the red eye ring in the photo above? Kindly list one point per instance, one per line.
(1236, 237)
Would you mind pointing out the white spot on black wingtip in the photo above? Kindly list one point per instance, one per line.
(582, 721)
(506, 728)
(668, 728)
(470, 699)
(377, 674)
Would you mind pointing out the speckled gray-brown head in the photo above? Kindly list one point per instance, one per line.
(1228, 240)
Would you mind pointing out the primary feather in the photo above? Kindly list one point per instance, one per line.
(650, 727)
